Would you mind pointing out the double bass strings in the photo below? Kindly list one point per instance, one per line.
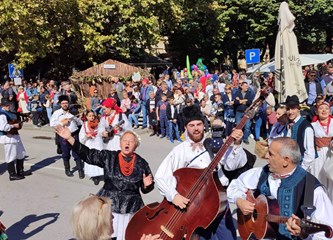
(196, 188)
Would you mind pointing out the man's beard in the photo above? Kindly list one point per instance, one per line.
(196, 138)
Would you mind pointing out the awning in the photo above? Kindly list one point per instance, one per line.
(306, 59)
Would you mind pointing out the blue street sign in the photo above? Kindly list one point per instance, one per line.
(252, 56)
(14, 72)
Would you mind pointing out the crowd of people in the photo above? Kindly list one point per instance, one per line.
(103, 143)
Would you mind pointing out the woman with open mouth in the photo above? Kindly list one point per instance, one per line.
(125, 172)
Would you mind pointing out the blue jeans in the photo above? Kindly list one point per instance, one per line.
(164, 125)
(259, 121)
(173, 126)
(247, 126)
(49, 112)
(133, 118)
(144, 114)
(222, 228)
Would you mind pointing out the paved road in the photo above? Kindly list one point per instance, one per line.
(38, 207)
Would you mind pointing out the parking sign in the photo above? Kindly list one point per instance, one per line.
(252, 56)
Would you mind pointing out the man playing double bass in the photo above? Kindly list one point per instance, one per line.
(192, 154)
(285, 180)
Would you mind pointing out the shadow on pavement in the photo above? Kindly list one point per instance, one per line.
(45, 162)
(3, 168)
(16, 231)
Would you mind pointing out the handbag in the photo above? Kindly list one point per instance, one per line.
(261, 149)
(328, 168)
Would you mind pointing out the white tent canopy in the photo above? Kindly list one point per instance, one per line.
(306, 59)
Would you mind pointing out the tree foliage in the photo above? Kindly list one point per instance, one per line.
(59, 35)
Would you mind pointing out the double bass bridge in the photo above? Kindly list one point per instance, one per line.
(167, 232)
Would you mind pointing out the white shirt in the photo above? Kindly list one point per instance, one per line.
(249, 180)
(5, 126)
(60, 114)
(309, 153)
(181, 156)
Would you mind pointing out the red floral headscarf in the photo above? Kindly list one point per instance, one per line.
(111, 103)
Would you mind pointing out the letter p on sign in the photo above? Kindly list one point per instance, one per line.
(252, 56)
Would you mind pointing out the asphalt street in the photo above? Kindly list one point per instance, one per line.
(38, 207)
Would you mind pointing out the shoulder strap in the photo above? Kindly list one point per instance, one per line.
(307, 206)
(195, 158)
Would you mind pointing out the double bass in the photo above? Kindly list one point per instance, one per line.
(201, 186)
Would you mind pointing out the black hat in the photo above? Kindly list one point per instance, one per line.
(63, 98)
(5, 102)
(292, 101)
(192, 113)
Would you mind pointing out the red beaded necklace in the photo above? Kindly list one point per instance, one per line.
(126, 168)
(325, 125)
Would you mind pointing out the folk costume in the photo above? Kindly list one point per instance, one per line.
(109, 122)
(323, 138)
(58, 118)
(94, 142)
(123, 181)
(13, 146)
(302, 132)
(288, 190)
(193, 155)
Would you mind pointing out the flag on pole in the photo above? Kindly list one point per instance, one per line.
(188, 66)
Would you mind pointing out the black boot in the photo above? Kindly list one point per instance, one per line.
(12, 173)
(96, 180)
(20, 168)
(68, 169)
(79, 165)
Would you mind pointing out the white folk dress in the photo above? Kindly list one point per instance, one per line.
(114, 143)
(324, 154)
(96, 143)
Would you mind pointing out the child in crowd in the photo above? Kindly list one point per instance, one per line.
(126, 103)
(48, 106)
(271, 119)
(172, 120)
(162, 116)
(135, 109)
(89, 137)
(35, 108)
(150, 106)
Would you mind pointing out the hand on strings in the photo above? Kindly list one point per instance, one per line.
(180, 201)
(237, 134)
(63, 132)
(245, 206)
(147, 180)
(292, 225)
(150, 237)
